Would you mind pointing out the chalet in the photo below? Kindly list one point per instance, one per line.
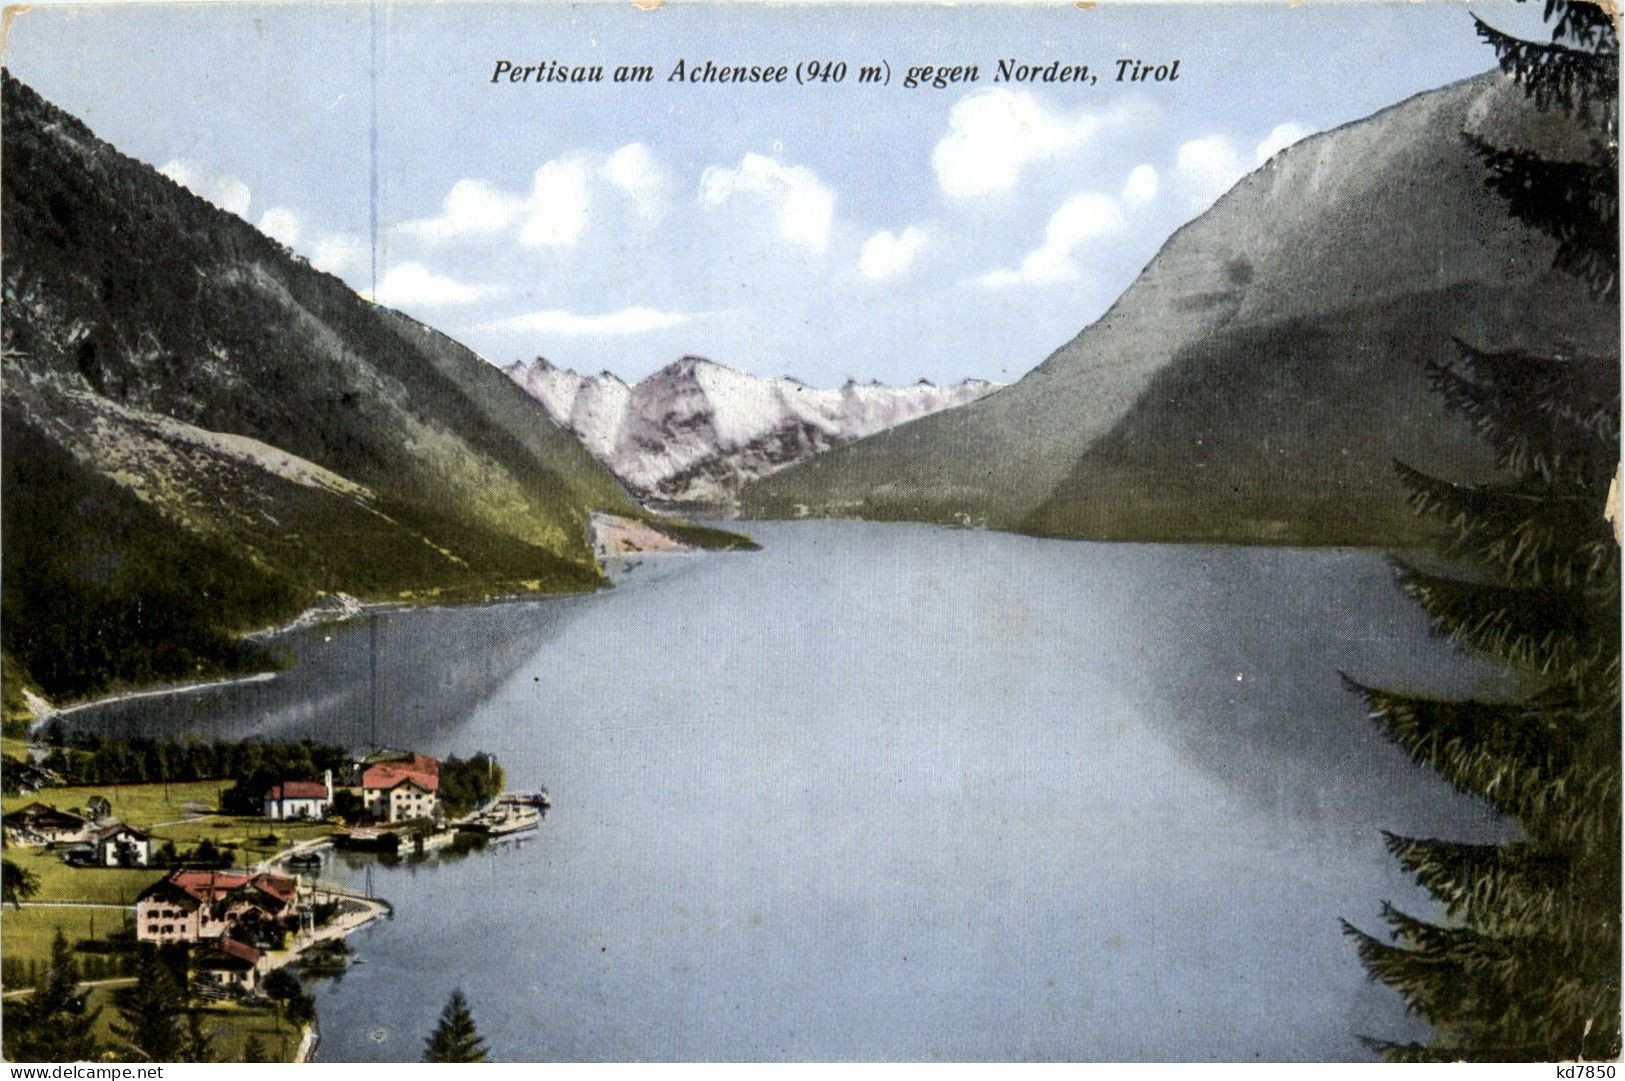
(299, 799)
(230, 964)
(401, 788)
(38, 824)
(194, 905)
(118, 845)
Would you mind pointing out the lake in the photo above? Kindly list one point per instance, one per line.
(894, 792)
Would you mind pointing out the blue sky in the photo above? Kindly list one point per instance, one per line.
(825, 231)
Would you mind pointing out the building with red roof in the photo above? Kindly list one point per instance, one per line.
(299, 799)
(196, 905)
(231, 964)
(398, 789)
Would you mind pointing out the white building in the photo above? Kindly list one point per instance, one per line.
(118, 845)
(299, 799)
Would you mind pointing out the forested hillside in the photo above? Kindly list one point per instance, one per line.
(202, 434)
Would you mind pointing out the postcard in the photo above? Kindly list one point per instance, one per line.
(709, 532)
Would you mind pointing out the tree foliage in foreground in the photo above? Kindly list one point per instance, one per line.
(17, 883)
(1526, 965)
(454, 1038)
(152, 1011)
(53, 1024)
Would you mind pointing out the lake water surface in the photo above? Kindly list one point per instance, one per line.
(894, 792)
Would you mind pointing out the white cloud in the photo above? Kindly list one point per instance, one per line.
(803, 207)
(223, 190)
(413, 285)
(634, 320)
(472, 208)
(560, 201)
(634, 170)
(1089, 215)
(1279, 138)
(994, 134)
(281, 224)
(1141, 187)
(557, 210)
(887, 254)
(555, 213)
(1211, 165)
(339, 253)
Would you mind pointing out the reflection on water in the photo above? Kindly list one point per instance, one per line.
(435, 667)
(893, 792)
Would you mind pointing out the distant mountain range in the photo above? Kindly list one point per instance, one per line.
(695, 431)
(1259, 378)
(202, 434)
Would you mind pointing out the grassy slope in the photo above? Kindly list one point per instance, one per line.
(1233, 440)
(168, 813)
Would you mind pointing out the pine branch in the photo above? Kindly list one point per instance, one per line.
(1544, 630)
(1523, 534)
(1416, 1052)
(1582, 388)
(1585, 24)
(1515, 755)
(1576, 203)
(1463, 943)
(1437, 989)
(1583, 82)
(1556, 419)
(1516, 889)
(1480, 992)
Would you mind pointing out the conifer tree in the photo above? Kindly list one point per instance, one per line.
(1576, 202)
(1527, 964)
(454, 1039)
(53, 1025)
(197, 1045)
(151, 1011)
(17, 883)
(254, 1050)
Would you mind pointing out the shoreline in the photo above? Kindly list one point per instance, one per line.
(341, 608)
(50, 712)
(46, 712)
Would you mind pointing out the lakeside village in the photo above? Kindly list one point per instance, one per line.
(197, 867)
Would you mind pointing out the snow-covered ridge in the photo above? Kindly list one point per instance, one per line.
(695, 430)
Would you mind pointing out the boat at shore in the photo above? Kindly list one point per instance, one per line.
(502, 820)
(365, 839)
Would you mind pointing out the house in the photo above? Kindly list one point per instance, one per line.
(118, 845)
(299, 799)
(230, 964)
(38, 824)
(195, 905)
(399, 789)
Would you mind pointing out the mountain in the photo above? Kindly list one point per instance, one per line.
(695, 431)
(202, 434)
(1258, 379)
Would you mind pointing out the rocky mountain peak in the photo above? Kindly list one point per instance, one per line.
(695, 429)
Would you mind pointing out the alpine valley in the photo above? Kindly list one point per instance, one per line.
(1259, 379)
(204, 435)
(696, 431)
